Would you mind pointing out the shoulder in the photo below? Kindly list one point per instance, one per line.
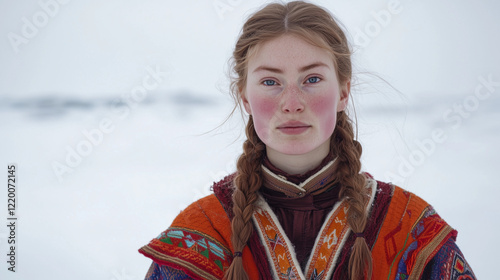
(197, 242)
(401, 203)
(410, 231)
(209, 215)
(223, 190)
(407, 210)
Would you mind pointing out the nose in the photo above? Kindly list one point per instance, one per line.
(292, 100)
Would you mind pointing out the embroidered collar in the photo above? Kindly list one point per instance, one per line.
(296, 178)
(314, 184)
(327, 248)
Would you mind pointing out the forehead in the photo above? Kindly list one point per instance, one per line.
(288, 52)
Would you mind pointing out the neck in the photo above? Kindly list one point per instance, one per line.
(297, 164)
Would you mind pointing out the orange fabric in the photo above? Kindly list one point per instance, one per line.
(208, 216)
(249, 264)
(405, 211)
(331, 242)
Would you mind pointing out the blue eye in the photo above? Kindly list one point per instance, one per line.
(313, 80)
(269, 83)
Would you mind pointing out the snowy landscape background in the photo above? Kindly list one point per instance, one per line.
(432, 128)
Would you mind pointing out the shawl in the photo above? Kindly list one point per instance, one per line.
(403, 231)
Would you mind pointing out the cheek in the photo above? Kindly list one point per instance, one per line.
(263, 109)
(324, 109)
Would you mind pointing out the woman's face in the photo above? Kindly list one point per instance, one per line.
(293, 95)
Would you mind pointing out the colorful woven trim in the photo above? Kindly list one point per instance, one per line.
(326, 250)
(429, 233)
(450, 264)
(195, 253)
(157, 271)
(409, 237)
(278, 247)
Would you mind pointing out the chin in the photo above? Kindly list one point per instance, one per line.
(294, 150)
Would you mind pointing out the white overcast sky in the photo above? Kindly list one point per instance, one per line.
(94, 48)
(435, 52)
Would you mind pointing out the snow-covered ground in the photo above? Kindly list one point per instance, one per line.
(144, 160)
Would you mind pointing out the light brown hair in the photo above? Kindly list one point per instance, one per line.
(318, 27)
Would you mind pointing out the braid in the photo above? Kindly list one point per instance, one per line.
(247, 182)
(317, 26)
(349, 152)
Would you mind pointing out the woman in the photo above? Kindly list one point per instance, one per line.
(298, 206)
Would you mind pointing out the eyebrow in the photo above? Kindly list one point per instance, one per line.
(302, 69)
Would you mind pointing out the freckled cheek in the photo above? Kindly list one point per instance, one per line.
(263, 110)
(326, 113)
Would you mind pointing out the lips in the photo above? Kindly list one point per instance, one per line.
(293, 127)
(291, 124)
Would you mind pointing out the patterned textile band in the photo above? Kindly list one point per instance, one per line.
(237, 254)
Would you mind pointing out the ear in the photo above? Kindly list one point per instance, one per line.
(344, 96)
(246, 104)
